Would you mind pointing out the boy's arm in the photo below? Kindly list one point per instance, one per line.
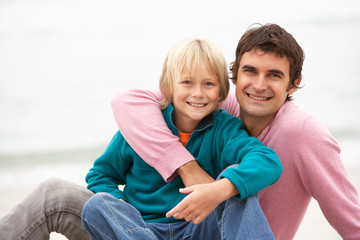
(109, 170)
(151, 138)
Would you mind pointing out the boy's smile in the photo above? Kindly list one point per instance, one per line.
(194, 97)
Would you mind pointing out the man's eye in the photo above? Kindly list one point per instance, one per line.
(274, 75)
(249, 71)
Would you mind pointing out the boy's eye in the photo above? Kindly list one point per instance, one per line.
(186, 82)
(208, 84)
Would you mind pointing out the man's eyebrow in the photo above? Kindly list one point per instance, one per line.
(277, 72)
(249, 67)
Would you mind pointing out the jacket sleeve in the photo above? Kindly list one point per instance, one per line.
(151, 138)
(259, 166)
(109, 170)
(323, 175)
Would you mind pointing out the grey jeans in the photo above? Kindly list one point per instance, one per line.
(54, 206)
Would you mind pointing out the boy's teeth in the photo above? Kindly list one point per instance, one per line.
(197, 105)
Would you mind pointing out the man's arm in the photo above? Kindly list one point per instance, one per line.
(325, 178)
(138, 116)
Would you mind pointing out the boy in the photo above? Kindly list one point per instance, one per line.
(194, 82)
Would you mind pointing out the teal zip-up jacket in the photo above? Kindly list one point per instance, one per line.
(218, 141)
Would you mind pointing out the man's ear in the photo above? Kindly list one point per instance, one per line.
(233, 73)
(294, 87)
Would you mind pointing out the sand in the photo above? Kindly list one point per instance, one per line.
(18, 179)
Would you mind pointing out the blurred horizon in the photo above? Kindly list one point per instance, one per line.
(61, 63)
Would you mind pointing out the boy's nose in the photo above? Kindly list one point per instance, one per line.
(198, 91)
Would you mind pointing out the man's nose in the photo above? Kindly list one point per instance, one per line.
(260, 83)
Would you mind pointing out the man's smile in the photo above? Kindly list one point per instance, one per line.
(259, 98)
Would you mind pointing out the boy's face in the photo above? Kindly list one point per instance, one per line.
(194, 97)
(262, 85)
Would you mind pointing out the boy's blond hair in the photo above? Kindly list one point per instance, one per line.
(185, 58)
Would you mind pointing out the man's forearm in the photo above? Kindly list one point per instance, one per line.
(191, 173)
(139, 118)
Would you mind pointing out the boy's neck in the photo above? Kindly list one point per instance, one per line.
(184, 126)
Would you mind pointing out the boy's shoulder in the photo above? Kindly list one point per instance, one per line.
(222, 117)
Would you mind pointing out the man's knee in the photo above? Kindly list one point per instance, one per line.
(52, 183)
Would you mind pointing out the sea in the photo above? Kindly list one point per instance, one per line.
(61, 63)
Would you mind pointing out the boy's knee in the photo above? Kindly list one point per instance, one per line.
(91, 207)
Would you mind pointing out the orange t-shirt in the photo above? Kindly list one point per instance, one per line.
(184, 137)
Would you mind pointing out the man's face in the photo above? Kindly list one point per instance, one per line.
(262, 84)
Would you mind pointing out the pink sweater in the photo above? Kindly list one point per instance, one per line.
(310, 156)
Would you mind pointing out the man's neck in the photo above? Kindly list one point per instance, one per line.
(255, 125)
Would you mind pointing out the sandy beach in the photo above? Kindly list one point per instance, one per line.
(18, 178)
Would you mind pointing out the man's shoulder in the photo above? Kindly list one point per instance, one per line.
(292, 120)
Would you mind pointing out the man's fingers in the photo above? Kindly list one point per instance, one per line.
(186, 190)
(198, 219)
(176, 211)
(190, 217)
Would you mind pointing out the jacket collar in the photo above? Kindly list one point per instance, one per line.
(168, 116)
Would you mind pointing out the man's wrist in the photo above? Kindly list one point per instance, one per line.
(187, 168)
(226, 188)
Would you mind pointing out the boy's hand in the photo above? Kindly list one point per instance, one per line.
(191, 174)
(202, 200)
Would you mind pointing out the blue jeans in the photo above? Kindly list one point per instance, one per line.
(106, 217)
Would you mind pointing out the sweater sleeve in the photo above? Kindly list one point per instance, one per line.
(138, 116)
(324, 176)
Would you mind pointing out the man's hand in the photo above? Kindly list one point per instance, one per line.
(191, 174)
(202, 199)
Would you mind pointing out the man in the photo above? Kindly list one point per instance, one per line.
(266, 72)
